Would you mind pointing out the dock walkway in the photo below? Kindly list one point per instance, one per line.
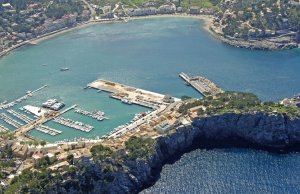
(21, 99)
(20, 116)
(48, 130)
(10, 121)
(202, 85)
(73, 124)
(98, 115)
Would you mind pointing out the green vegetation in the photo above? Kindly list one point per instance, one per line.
(138, 147)
(183, 98)
(7, 135)
(32, 182)
(238, 102)
(252, 18)
(99, 152)
(60, 8)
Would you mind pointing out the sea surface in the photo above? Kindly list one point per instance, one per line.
(150, 54)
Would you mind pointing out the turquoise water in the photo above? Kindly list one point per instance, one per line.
(150, 54)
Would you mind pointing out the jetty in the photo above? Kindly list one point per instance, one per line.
(73, 124)
(10, 121)
(131, 95)
(21, 99)
(98, 115)
(68, 109)
(20, 116)
(201, 84)
(48, 130)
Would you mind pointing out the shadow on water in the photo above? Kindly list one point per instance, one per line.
(229, 143)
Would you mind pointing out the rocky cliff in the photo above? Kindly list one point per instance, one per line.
(267, 130)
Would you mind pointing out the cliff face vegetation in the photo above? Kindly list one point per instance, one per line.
(138, 166)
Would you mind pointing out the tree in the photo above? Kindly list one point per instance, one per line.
(70, 158)
(43, 143)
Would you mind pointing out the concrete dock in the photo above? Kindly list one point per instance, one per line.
(202, 85)
(21, 99)
(20, 116)
(130, 95)
(73, 124)
(10, 121)
(48, 130)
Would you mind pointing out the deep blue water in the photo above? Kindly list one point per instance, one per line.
(239, 171)
(150, 54)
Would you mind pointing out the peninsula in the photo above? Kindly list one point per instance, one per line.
(130, 158)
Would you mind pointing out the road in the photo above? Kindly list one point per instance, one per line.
(92, 10)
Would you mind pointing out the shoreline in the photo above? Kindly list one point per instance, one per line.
(44, 37)
(268, 44)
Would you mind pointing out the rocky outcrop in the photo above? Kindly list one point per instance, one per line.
(268, 130)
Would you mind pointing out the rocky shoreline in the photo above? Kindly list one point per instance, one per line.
(274, 132)
(268, 44)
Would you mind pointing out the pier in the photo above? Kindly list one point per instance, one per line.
(48, 130)
(68, 109)
(21, 99)
(202, 85)
(130, 95)
(10, 121)
(73, 124)
(20, 116)
(98, 115)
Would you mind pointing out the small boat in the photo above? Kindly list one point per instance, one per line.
(64, 69)
(98, 91)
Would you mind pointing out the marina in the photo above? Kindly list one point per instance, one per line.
(73, 124)
(201, 84)
(48, 130)
(20, 116)
(98, 115)
(21, 99)
(10, 121)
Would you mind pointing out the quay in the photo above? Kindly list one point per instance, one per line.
(98, 115)
(3, 129)
(201, 84)
(73, 124)
(20, 116)
(131, 95)
(10, 121)
(48, 130)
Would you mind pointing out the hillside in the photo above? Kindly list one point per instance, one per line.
(277, 21)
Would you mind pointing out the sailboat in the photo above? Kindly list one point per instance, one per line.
(64, 68)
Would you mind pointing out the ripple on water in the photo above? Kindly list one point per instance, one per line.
(230, 171)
